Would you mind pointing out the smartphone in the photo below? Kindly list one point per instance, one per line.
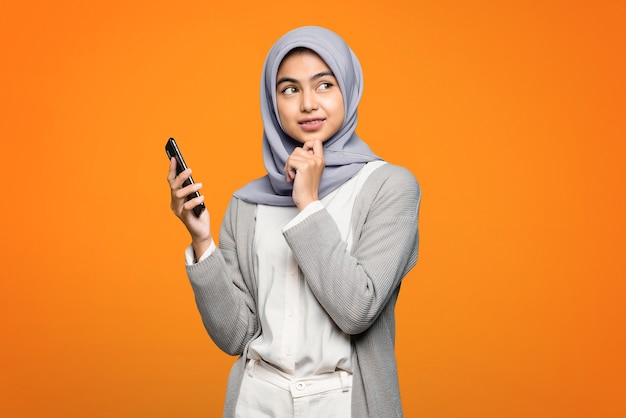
(172, 150)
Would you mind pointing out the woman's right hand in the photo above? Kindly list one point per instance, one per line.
(198, 227)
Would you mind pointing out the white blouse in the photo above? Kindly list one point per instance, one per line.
(298, 337)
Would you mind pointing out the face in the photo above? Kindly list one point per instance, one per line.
(309, 101)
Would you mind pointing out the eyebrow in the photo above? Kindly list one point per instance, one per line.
(314, 77)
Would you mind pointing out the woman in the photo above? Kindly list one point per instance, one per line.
(304, 282)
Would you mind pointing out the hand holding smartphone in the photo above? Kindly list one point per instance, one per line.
(172, 150)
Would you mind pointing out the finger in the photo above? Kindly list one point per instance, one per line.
(187, 190)
(171, 173)
(318, 148)
(308, 147)
(291, 166)
(314, 147)
(290, 172)
(192, 203)
(296, 161)
(181, 178)
(179, 197)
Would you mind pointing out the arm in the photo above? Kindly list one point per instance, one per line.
(223, 296)
(355, 287)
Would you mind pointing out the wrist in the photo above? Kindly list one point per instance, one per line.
(303, 202)
(200, 246)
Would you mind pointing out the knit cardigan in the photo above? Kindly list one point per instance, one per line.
(358, 289)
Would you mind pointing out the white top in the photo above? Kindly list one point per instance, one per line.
(297, 337)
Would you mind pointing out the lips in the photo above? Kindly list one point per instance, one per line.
(310, 121)
(311, 125)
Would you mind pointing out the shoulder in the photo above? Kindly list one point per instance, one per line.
(393, 179)
(390, 190)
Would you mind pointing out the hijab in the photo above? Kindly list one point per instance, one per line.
(344, 153)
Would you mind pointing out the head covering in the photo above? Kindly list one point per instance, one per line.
(344, 153)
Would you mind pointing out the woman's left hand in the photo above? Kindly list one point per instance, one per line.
(304, 168)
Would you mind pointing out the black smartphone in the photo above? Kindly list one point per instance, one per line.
(172, 150)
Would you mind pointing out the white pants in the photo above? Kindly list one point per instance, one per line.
(267, 392)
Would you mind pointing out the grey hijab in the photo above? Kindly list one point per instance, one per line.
(345, 153)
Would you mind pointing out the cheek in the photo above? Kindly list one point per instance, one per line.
(339, 110)
(282, 115)
(339, 107)
(285, 111)
(341, 113)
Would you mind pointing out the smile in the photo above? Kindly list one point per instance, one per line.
(311, 125)
(311, 121)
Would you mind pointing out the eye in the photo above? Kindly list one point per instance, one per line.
(325, 85)
(289, 90)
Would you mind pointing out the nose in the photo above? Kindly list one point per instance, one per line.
(308, 102)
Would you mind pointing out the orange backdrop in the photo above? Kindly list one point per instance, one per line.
(510, 114)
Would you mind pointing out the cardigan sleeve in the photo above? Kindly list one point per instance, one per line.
(354, 287)
(223, 296)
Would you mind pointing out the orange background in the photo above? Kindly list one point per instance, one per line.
(510, 114)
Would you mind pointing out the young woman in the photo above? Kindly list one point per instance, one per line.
(303, 285)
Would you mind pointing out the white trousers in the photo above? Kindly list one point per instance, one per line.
(267, 392)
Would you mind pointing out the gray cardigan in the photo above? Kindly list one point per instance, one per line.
(358, 290)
